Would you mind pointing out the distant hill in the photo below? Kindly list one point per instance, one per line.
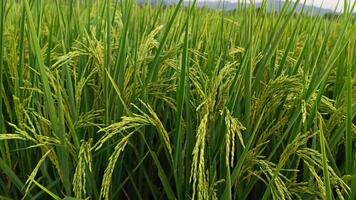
(273, 5)
(277, 5)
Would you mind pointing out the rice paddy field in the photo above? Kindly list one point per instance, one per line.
(115, 100)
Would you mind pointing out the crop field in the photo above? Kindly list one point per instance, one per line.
(119, 100)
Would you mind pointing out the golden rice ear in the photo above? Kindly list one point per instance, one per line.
(155, 121)
(198, 177)
(313, 160)
(284, 90)
(11, 136)
(84, 164)
(106, 182)
(126, 124)
(34, 172)
(275, 179)
(234, 130)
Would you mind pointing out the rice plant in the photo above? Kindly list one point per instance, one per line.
(119, 100)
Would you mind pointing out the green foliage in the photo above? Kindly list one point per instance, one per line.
(114, 100)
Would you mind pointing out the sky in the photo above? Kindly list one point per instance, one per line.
(327, 3)
(331, 4)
